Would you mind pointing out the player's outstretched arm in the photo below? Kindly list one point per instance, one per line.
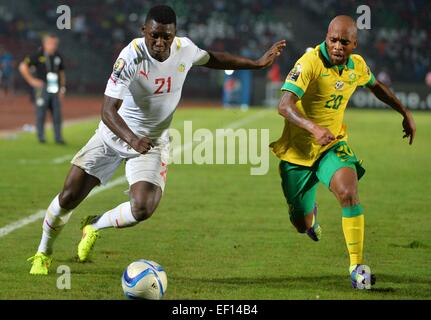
(113, 121)
(227, 61)
(384, 94)
(287, 108)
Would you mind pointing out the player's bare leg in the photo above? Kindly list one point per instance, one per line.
(344, 185)
(144, 199)
(303, 224)
(76, 188)
(308, 224)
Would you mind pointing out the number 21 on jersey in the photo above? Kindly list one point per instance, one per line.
(161, 83)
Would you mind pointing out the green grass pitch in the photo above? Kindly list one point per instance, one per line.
(221, 233)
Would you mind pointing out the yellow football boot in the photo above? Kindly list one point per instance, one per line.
(40, 263)
(88, 240)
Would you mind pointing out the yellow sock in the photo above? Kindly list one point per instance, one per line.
(353, 229)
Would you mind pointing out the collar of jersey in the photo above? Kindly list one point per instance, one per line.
(324, 51)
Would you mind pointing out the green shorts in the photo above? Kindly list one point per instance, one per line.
(299, 183)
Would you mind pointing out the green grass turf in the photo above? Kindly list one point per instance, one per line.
(223, 234)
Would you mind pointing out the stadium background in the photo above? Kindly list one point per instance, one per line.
(396, 48)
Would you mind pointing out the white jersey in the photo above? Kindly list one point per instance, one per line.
(150, 90)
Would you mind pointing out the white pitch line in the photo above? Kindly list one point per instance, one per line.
(41, 213)
(21, 223)
(58, 160)
(62, 159)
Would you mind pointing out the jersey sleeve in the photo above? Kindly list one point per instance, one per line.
(198, 56)
(123, 73)
(201, 56)
(299, 77)
(367, 78)
(31, 60)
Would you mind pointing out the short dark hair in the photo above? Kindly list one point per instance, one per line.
(49, 35)
(162, 14)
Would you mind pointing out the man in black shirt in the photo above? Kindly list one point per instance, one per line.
(44, 72)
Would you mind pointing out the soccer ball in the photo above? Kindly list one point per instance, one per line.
(144, 279)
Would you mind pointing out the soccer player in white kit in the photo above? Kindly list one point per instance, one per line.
(140, 99)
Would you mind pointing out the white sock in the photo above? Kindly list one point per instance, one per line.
(55, 219)
(119, 217)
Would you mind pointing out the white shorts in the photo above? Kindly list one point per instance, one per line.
(99, 160)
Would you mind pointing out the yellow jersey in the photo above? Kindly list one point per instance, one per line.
(323, 95)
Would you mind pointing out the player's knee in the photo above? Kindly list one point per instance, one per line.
(68, 199)
(347, 196)
(142, 209)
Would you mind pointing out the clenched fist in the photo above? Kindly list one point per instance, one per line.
(323, 136)
(142, 145)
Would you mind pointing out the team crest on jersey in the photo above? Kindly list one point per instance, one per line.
(294, 73)
(352, 78)
(182, 67)
(339, 85)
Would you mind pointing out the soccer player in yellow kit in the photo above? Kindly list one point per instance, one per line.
(313, 146)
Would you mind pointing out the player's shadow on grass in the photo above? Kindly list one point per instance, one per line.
(387, 279)
(283, 282)
(73, 260)
(329, 282)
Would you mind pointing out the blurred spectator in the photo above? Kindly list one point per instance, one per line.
(7, 66)
(384, 77)
(272, 87)
(273, 74)
(428, 79)
(397, 43)
(44, 72)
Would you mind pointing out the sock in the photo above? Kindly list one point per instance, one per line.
(313, 222)
(119, 217)
(353, 229)
(55, 219)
